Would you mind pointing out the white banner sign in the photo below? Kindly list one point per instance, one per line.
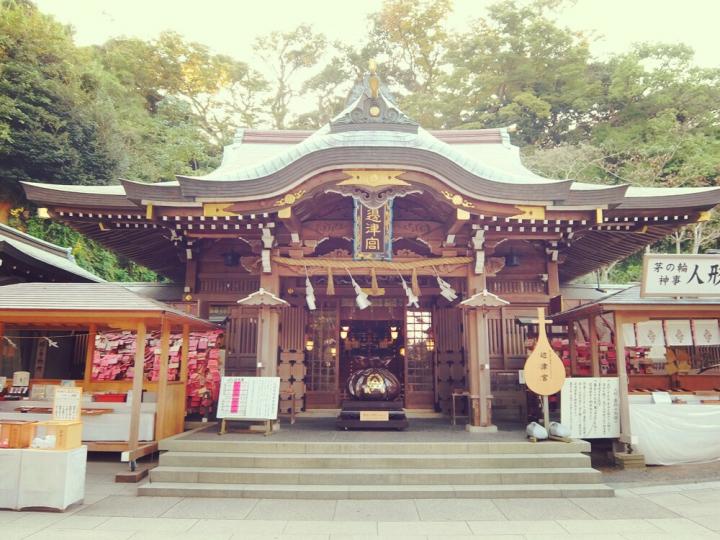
(590, 407)
(249, 398)
(680, 275)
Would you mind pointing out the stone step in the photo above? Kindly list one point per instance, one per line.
(374, 477)
(224, 445)
(377, 461)
(489, 491)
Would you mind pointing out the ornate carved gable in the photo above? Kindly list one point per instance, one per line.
(371, 106)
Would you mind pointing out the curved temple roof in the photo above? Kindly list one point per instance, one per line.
(372, 132)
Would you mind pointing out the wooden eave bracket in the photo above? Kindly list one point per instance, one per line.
(462, 217)
(292, 223)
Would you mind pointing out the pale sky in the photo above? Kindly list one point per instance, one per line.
(229, 26)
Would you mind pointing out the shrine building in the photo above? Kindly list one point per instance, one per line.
(374, 229)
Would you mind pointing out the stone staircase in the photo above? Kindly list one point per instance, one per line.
(367, 470)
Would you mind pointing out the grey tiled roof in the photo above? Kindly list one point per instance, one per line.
(44, 252)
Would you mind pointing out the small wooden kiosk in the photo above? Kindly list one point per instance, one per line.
(684, 331)
(105, 306)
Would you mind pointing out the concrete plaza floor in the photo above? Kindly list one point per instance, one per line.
(640, 511)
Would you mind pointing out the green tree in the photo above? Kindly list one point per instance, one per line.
(518, 66)
(289, 55)
(411, 38)
(50, 128)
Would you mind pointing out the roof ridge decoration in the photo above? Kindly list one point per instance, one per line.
(371, 106)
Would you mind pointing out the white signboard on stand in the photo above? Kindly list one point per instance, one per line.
(248, 398)
(680, 275)
(590, 407)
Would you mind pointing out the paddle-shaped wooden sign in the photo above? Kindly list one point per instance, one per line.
(544, 371)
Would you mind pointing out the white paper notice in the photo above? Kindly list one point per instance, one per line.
(249, 398)
(590, 407)
(66, 404)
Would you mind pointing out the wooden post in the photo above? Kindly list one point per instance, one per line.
(572, 346)
(625, 431)
(2, 344)
(270, 326)
(162, 394)
(594, 348)
(485, 386)
(137, 386)
(89, 353)
(478, 359)
(184, 353)
(553, 284)
(474, 415)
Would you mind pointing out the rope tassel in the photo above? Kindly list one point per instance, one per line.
(414, 285)
(330, 283)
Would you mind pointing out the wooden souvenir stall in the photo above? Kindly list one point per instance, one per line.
(131, 427)
(670, 347)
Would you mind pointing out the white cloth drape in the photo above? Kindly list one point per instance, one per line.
(707, 332)
(678, 333)
(650, 334)
(672, 434)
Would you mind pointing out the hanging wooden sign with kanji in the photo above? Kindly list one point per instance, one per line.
(544, 371)
(373, 232)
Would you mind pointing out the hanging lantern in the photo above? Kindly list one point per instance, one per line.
(344, 330)
(393, 333)
(430, 344)
(309, 345)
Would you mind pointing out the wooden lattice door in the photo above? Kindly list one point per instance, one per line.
(419, 360)
(241, 342)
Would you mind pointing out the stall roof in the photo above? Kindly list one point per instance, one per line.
(630, 297)
(89, 302)
(48, 259)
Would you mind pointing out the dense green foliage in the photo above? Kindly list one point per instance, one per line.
(152, 109)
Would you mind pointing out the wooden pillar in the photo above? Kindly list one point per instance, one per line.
(594, 347)
(625, 431)
(137, 386)
(184, 353)
(478, 359)
(162, 387)
(268, 331)
(89, 353)
(572, 348)
(553, 284)
(2, 344)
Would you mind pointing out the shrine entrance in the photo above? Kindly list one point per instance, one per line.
(365, 344)
(341, 339)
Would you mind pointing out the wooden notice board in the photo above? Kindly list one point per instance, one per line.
(248, 398)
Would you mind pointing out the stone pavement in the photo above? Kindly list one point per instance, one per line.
(112, 511)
